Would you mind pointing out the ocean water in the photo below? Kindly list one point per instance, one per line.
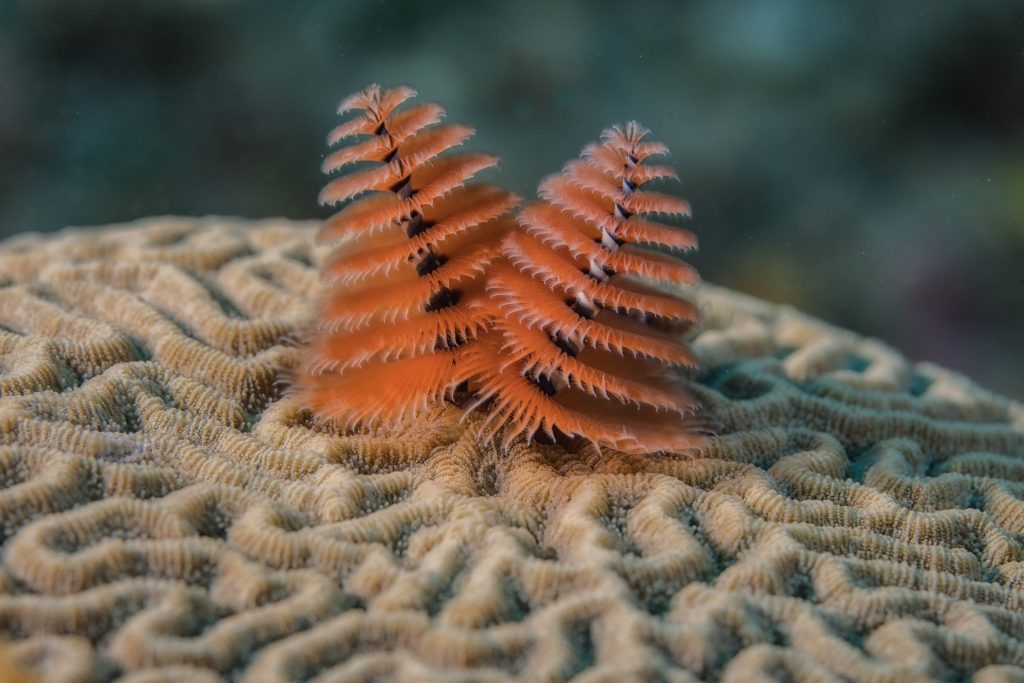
(861, 161)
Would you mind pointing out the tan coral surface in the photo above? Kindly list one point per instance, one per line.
(167, 516)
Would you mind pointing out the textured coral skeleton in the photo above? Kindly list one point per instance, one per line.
(550, 328)
(169, 516)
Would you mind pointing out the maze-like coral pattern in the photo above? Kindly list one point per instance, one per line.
(169, 516)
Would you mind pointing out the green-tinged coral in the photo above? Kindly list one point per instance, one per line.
(168, 515)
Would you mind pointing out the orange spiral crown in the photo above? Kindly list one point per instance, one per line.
(404, 291)
(580, 345)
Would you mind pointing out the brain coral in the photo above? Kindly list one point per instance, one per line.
(167, 516)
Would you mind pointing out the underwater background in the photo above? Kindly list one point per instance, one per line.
(861, 161)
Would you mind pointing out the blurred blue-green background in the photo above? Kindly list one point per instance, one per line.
(863, 161)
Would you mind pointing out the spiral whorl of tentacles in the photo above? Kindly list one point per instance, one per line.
(404, 291)
(579, 344)
(436, 292)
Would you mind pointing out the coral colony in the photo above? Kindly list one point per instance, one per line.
(542, 319)
(168, 516)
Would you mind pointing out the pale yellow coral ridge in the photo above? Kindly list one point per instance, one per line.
(169, 514)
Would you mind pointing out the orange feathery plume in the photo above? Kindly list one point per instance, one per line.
(404, 289)
(580, 344)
